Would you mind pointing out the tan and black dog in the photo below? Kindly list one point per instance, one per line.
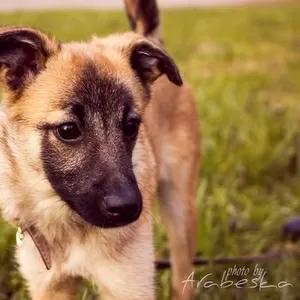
(90, 132)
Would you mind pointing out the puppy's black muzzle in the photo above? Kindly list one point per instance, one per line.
(122, 206)
(107, 205)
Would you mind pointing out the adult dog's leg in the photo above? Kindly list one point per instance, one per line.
(177, 195)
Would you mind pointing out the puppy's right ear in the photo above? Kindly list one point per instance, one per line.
(151, 61)
(23, 54)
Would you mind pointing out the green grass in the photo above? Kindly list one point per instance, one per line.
(244, 67)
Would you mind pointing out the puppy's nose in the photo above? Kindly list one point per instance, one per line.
(123, 207)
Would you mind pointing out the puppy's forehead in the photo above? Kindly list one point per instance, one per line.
(80, 63)
(88, 74)
(110, 60)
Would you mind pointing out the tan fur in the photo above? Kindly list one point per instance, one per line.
(120, 260)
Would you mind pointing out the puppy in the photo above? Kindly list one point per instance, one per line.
(89, 133)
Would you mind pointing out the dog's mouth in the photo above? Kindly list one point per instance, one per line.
(122, 215)
(113, 211)
(111, 217)
(117, 219)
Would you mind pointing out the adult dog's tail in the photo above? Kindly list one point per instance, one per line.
(144, 18)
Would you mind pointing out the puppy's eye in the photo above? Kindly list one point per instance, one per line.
(68, 132)
(131, 128)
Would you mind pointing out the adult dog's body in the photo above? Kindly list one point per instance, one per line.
(82, 154)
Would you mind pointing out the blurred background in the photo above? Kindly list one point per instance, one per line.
(242, 58)
(50, 4)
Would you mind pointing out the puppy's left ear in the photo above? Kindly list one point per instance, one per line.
(150, 62)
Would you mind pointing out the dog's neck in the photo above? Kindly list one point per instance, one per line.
(39, 241)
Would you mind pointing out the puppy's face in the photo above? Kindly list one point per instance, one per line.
(76, 112)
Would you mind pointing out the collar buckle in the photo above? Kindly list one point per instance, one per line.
(19, 236)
